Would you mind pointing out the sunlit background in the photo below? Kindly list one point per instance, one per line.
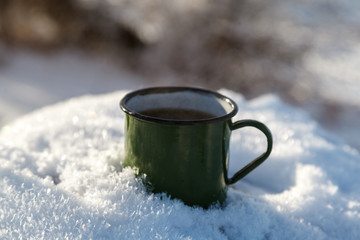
(306, 52)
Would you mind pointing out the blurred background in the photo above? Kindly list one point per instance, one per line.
(306, 52)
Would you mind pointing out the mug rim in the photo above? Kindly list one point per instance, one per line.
(170, 89)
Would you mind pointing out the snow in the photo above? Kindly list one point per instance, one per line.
(62, 178)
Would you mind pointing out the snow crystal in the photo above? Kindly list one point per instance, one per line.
(61, 177)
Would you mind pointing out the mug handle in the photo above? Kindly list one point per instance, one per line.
(257, 161)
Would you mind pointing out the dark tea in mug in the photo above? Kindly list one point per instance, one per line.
(177, 114)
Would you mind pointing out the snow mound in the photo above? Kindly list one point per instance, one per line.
(61, 177)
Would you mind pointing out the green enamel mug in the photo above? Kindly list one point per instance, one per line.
(178, 137)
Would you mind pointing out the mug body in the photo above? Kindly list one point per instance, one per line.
(188, 162)
(188, 158)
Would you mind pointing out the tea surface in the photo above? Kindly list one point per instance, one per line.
(177, 114)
